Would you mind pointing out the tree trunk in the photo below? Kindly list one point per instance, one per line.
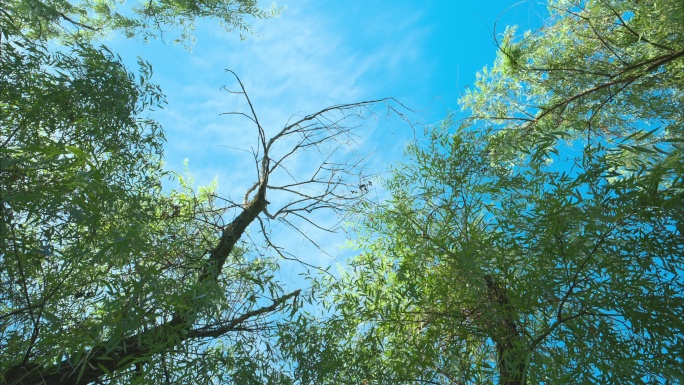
(502, 328)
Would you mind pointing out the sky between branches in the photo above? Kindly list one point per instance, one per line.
(317, 54)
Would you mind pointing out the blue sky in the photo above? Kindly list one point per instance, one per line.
(314, 55)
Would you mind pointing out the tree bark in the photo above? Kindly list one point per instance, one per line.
(503, 329)
(108, 358)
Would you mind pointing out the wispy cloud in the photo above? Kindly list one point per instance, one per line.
(314, 56)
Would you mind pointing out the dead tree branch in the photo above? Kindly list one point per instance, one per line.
(321, 135)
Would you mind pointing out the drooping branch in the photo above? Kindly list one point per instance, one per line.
(645, 67)
(606, 82)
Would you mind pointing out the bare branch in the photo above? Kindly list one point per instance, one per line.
(113, 357)
(318, 139)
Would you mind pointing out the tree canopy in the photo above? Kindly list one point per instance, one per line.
(537, 240)
(106, 277)
(87, 19)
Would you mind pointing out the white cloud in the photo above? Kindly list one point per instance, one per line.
(306, 60)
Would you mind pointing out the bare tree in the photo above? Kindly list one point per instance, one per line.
(332, 185)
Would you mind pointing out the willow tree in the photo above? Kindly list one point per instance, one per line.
(541, 238)
(107, 278)
(87, 19)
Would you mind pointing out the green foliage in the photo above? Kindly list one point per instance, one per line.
(100, 266)
(539, 240)
(86, 19)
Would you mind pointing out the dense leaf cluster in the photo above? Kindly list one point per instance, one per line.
(88, 19)
(101, 275)
(538, 240)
